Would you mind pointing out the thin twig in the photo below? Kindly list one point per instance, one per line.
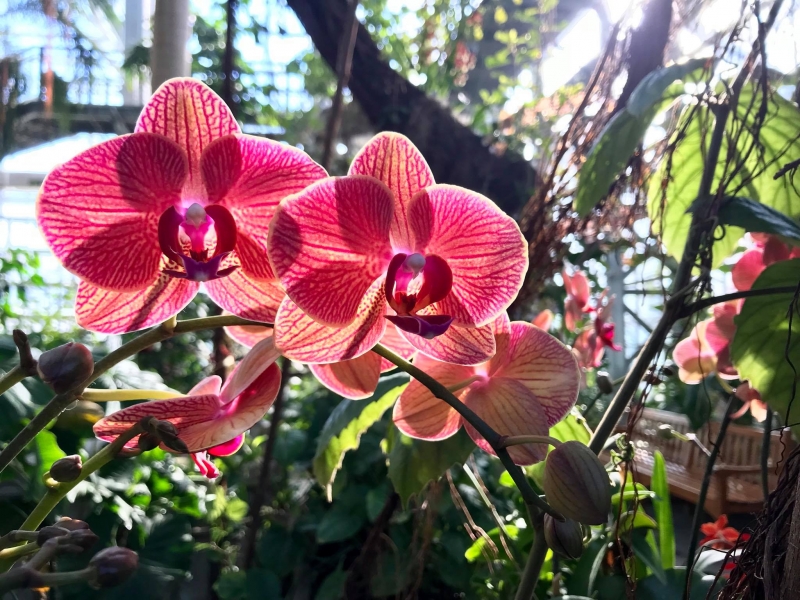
(344, 64)
(766, 444)
(699, 305)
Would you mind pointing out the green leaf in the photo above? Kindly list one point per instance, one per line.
(573, 427)
(631, 491)
(332, 587)
(347, 423)
(263, 585)
(644, 552)
(585, 572)
(751, 179)
(663, 510)
(340, 523)
(672, 586)
(755, 216)
(48, 450)
(475, 551)
(637, 519)
(759, 350)
(414, 463)
(623, 133)
(280, 550)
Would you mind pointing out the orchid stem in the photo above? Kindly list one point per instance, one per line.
(533, 567)
(495, 440)
(60, 402)
(516, 440)
(11, 378)
(127, 395)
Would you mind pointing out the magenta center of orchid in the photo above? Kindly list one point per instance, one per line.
(414, 282)
(198, 241)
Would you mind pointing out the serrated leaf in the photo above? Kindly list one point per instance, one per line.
(752, 179)
(663, 510)
(765, 350)
(414, 463)
(757, 217)
(623, 133)
(348, 421)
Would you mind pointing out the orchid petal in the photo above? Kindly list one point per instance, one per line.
(255, 362)
(694, 357)
(577, 286)
(105, 311)
(510, 408)
(394, 340)
(190, 114)
(229, 447)
(330, 242)
(394, 160)
(427, 327)
(544, 320)
(250, 176)
(747, 269)
(236, 417)
(99, 211)
(572, 313)
(248, 335)
(458, 345)
(419, 414)
(301, 338)
(355, 379)
(210, 386)
(239, 294)
(543, 365)
(482, 246)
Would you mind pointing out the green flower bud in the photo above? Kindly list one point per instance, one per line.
(67, 469)
(563, 537)
(66, 366)
(113, 566)
(576, 484)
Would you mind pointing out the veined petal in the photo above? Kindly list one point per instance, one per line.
(209, 386)
(255, 362)
(420, 414)
(330, 242)
(229, 447)
(104, 311)
(482, 246)
(510, 408)
(694, 357)
(99, 211)
(355, 379)
(542, 364)
(181, 412)
(250, 176)
(392, 158)
(458, 345)
(248, 335)
(253, 299)
(190, 114)
(301, 338)
(747, 269)
(237, 416)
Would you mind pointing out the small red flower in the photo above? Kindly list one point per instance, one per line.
(719, 536)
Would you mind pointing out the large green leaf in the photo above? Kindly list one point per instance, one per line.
(346, 424)
(623, 133)
(764, 350)
(756, 216)
(414, 463)
(573, 427)
(48, 450)
(752, 179)
(644, 552)
(339, 523)
(663, 510)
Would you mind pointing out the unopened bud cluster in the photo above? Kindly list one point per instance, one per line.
(576, 484)
(160, 432)
(563, 537)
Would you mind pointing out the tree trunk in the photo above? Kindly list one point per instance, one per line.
(169, 56)
(455, 154)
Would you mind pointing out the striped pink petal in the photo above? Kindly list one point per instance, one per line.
(229, 447)
(543, 365)
(329, 244)
(747, 269)
(482, 246)
(458, 345)
(394, 160)
(105, 311)
(355, 379)
(510, 408)
(248, 335)
(99, 211)
(254, 299)
(249, 369)
(209, 386)
(420, 414)
(250, 176)
(191, 115)
(696, 360)
(301, 338)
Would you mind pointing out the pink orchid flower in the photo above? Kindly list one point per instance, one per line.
(212, 418)
(143, 219)
(356, 378)
(527, 387)
(591, 343)
(544, 320)
(768, 250)
(705, 350)
(386, 244)
(577, 301)
(752, 402)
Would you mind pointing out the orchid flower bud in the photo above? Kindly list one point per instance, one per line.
(604, 382)
(563, 537)
(576, 484)
(113, 566)
(66, 469)
(66, 366)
